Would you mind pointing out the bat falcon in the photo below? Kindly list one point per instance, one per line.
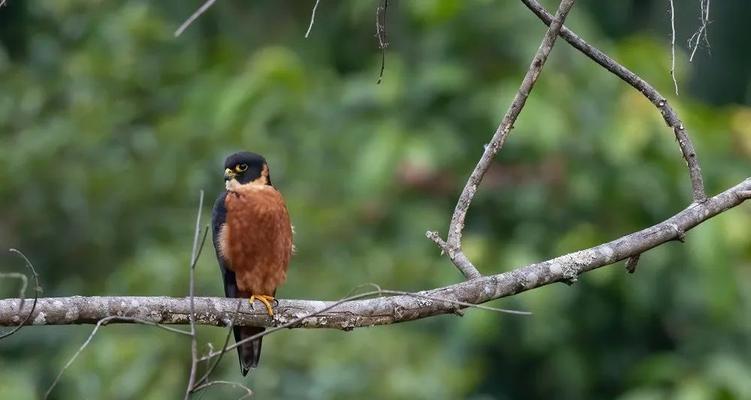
(252, 236)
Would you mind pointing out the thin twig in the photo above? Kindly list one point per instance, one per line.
(701, 34)
(194, 255)
(211, 369)
(668, 114)
(77, 353)
(24, 283)
(436, 238)
(377, 289)
(312, 18)
(454, 238)
(193, 17)
(456, 302)
(381, 36)
(248, 392)
(377, 292)
(22, 293)
(290, 323)
(705, 23)
(99, 324)
(119, 318)
(672, 46)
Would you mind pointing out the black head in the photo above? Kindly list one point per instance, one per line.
(247, 168)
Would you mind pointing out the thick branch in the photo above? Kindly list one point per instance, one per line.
(376, 311)
(670, 116)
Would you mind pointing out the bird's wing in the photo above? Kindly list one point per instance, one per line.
(218, 218)
(249, 353)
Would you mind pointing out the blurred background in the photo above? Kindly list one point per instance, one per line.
(110, 127)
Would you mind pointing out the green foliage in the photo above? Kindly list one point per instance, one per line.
(110, 127)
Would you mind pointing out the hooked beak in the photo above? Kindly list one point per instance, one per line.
(229, 174)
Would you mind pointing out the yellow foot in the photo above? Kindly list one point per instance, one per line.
(266, 300)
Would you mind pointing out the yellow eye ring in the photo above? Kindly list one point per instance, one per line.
(241, 167)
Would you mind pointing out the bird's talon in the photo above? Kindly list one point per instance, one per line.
(266, 300)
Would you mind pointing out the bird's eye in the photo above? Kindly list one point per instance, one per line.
(241, 167)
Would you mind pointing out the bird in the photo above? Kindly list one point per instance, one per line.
(252, 236)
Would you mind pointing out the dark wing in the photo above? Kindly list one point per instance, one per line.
(250, 352)
(218, 217)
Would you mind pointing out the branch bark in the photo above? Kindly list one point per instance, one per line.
(375, 311)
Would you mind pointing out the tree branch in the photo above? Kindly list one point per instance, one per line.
(248, 392)
(375, 311)
(672, 46)
(453, 244)
(381, 36)
(312, 18)
(205, 6)
(701, 34)
(194, 255)
(668, 114)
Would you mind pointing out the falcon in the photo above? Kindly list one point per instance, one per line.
(252, 236)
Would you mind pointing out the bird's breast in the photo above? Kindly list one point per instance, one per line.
(256, 238)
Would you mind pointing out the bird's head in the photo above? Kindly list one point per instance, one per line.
(246, 168)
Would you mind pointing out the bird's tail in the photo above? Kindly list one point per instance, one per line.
(249, 352)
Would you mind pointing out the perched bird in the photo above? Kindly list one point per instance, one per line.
(253, 241)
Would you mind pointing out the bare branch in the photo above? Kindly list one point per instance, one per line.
(377, 292)
(435, 237)
(312, 18)
(77, 353)
(205, 378)
(701, 34)
(672, 46)
(99, 324)
(670, 116)
(376, 311)
(381, 35)
(194, 255)
(453, 245)
(194, 17)
(248, 392)
(21, 278)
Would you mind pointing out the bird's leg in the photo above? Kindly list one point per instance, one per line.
(266, 300)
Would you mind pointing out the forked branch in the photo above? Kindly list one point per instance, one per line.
(668, 114)
(453, 244)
